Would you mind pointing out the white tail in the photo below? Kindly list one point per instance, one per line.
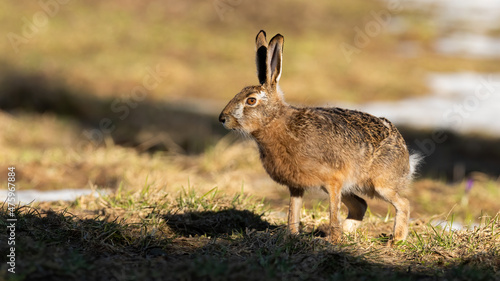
(415, 161)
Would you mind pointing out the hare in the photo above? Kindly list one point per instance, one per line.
(346, 153)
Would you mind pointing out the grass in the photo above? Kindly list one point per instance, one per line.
(215, 236)
(217, 215)
(42, 149)
(190, 42)
(178, 199)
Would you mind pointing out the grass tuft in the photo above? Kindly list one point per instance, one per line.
(210, 235)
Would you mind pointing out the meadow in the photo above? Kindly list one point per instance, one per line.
(122, 98)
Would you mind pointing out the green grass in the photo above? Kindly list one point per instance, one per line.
(214, 236)
(182, 202)
(116, 42)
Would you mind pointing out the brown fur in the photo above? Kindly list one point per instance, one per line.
(345, 152)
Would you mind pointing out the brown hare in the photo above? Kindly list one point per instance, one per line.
(345, 152)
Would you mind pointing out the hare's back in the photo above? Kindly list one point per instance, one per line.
(352, 125)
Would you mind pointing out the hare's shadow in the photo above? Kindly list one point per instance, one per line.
(216, 223)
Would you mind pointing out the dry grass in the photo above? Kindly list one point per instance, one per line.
(217, 215)
(41, 148)
(105, 48)
(152, 234)
(177, 199)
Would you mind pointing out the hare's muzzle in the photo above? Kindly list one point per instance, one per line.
(222, 118)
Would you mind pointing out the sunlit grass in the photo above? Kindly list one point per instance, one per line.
(46, 159)
(216, 213)
(105, 49)
(220, 209)
(216, 235)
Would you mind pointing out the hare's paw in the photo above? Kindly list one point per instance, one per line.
(335, 235)
(351, 225)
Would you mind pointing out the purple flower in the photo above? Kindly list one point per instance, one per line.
(468, 185)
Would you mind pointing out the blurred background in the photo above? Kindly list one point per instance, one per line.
(118, 94)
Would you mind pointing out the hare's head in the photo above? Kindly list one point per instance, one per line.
(255, 106)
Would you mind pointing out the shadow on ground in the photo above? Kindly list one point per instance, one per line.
(61, 246)
(136, 122)
(453, 156)
(214, 224)
(151, 126)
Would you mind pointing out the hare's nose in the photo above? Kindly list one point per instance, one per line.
(222, 118)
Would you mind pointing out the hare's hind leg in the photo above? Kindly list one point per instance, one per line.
(335, 194)
(357, 208)
(296, 195)
(402, 206)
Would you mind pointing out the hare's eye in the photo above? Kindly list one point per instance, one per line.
(251, 101)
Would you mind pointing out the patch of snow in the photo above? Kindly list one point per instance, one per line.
(453, 226)
(28, 196)
(464, 102)
(469, 45)
(478, 14)
(464, 27)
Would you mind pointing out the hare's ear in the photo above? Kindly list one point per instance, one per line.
(261, 57)
(275, 58)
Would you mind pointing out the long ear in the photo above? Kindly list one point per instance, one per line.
(261, 57)
(275, 58)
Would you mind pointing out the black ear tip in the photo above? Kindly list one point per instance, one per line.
(262, 31)
(278, 38)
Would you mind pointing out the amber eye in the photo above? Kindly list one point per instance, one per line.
(251, 101)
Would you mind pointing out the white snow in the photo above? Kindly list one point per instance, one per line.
(464, 102)
(28, 196)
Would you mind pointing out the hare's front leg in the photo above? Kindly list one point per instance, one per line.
(296, 195)
(334, 190)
